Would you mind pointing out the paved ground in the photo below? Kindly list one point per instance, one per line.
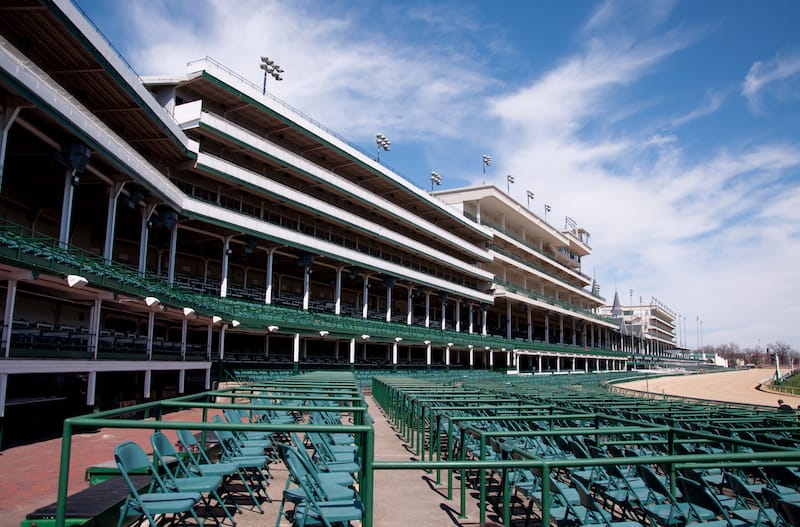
(28, 474)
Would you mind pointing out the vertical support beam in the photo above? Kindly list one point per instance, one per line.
(352, 357)
(471, 357)
(443, 298)
(66, 209)
(547, 327)
(148, 378)
(395, 347)
(365, 299)
(184, 332)
(296, 352)
(306, 286)
(9, 115)
(471, 320)
(181, 381)
(209, 340)
(223, 282)
(91, 388)
(427, 309)
(484, 315)
(173, 250)
(530, 323)
(337, 295)
(458, 315)
(428, 354)
(561, 329)
(111, 220)
(268, 291)
(8, 317)
(410, 306)
(447, 356)
(151, 319)
(508, 319)
(540, 364)
(208, 379)
(144, 238)
(3, 391)
(389, 288)
(94, 327)
(574, 336)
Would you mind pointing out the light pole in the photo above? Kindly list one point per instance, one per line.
(436, 179)
(383, 142)
(509, 181)
(530, 197)
(272, 69)
(486, 162)
(546, 210)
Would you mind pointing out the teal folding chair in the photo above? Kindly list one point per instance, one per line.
(129, 458)
(197, 456)
(179, 478)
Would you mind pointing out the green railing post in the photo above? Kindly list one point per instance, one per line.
(463, 457)
(450, 453)
(545, 494)
(367, 496)
(482, 476)
(63, 475)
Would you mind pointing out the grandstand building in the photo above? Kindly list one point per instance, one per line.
(157, 231)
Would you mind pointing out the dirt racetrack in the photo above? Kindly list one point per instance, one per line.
(729, 386)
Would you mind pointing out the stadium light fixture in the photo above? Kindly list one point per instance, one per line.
(398, 339)
(383, 143)
(76, 281)
(188, 311)
(364, 337)
(436, 179)
(324, 333)
(426, 342)
(216, 319)
(271, 69)
(151, 301)
(487, 160)
(235, 323)
(509, 182)
(531, 195)
(272, 329)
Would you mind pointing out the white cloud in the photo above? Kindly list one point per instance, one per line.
(711, 103)
(762, 75)
(338, 70)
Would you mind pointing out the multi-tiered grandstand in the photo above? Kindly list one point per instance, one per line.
(155, 232)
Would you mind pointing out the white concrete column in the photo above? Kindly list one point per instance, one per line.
(207, 385)
(66, 209)
(91, 388)
(389, 288)
(443, 298)
(8, 317)
(268, 291)
(471, 357)
(222, 330)
(365, 299)
(111, 220)
(181, 382)
(427, 309)
(598, 365)
(337, 309)
(94, 327)
(458, 315)
(540, 364)
(484, 315)
(508, 319)
(352, 357)
(428, 353)
(144, 238)
(151, 320)
(447, 356)
(410, 306)
(7, 118)
(395, 347)
(148, 377)
(573, 363)
(306, 286)
(561, 329)
(173, 250)
(547, 327)
(471, 319)
(574, 338)
(530, 323)
(558, 363)
(209, 340)
(184, 332)
(223, 283)
(296, 348)
(491, 359)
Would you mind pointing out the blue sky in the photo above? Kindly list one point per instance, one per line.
(669, 130)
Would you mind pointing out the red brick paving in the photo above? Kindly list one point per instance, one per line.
(29, 473)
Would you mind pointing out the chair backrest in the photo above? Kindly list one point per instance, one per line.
(130, 457)
(654, 484)
(789, 512)
(191, 446)
(162, 447)
(698, 495)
